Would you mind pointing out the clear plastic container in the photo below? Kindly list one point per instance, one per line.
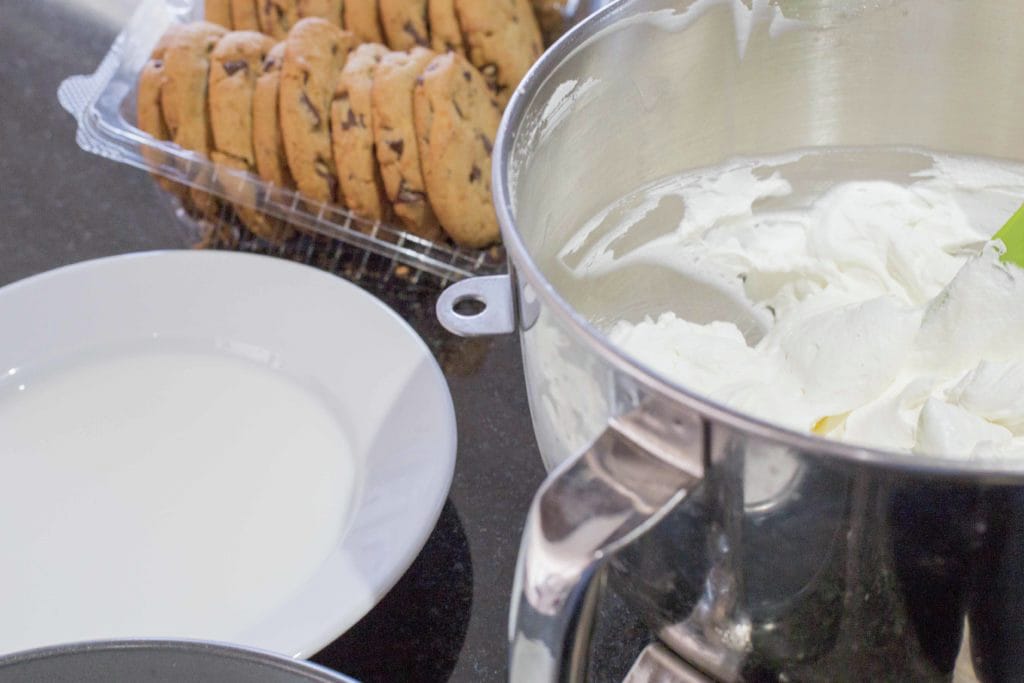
(103, 103)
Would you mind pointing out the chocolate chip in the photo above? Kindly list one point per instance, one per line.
(311, 108)
(486, 142)
(474, 174)
(280, 19)
(350, 120)
(269, 63)
(397, 146)
(458, 110)
(334, 48)
(234, 66)
(419, 80)
(411, 30)
(467, 76)
(158, 63)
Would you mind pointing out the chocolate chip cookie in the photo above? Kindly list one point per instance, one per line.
(217, 12)
(235, 64)
(445, 34)
(456, 120)
(394, 136)
(325, 9)
(352, 134)
(244, 16)
(277, 17)
(362, 17)
(149, 116)
(405, 23)
(502, 40)
(268, 148)
(314, 55)
(183, 93)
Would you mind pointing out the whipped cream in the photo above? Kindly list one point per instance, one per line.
(888, 318)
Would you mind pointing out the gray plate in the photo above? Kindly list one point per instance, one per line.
(159, 661)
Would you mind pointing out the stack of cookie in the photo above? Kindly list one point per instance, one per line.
(500, 37)
(396, 133)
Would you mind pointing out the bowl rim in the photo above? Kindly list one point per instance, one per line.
(314, 671)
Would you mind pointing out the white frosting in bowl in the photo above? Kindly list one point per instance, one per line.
(891, 321)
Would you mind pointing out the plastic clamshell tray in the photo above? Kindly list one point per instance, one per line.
(103, 103)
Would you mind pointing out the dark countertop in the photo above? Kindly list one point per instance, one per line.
(446, 619)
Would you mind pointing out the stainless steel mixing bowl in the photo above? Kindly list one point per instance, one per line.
(856, 565)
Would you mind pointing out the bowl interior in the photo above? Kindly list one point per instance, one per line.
(652, 88)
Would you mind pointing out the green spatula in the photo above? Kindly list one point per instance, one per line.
(1012, 235)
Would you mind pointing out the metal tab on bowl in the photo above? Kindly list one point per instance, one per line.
(477, 307)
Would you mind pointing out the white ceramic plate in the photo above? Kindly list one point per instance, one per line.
(210, 445)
